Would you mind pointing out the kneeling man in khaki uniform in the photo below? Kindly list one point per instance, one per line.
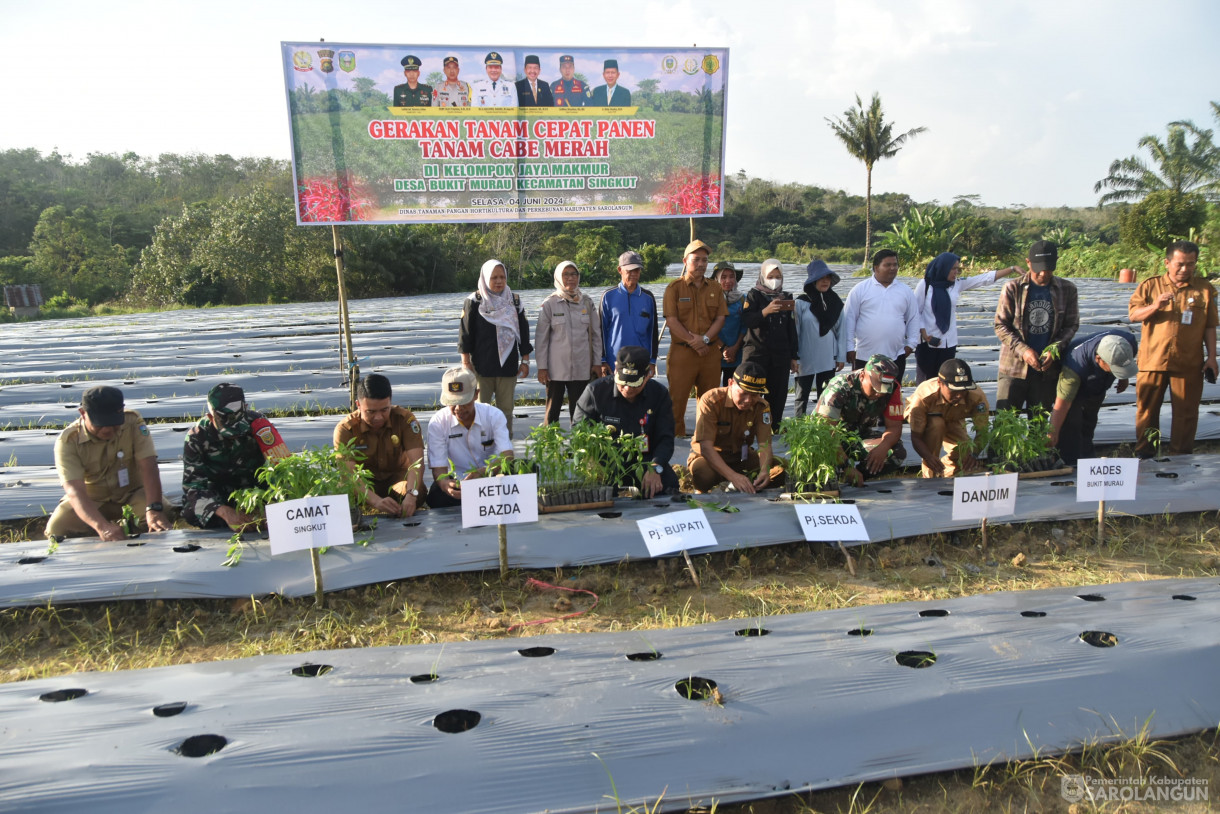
(937, 412)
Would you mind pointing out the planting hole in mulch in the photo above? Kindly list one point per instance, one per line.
(885, 491)
(30, 560)
(169, 710)
(65, 385)
(1184, 597)
(55, 696)
(916, 659)
(1063, 483)
(311, 670)
(521, 415)
(181, 429)
(454, 721)
(410, 523)
(934, 612)
(1164, 460)
(1169, 475)
(752, 631)
(609, 515)
(1033, 614)
(860, 631)
(187, 549)
(1091, 597)
(201, 745)
(1099, 638)
(946, 492)
(695, 688)
(424, 678)
(650, 655)
(678, 498)
(536, 652)
(135, 545)
(847, 502)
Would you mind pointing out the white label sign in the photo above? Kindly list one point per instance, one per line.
(831, 521)
(500, 501)
(1106, 478)
(311, 522)
(984, 496)
(676, 531)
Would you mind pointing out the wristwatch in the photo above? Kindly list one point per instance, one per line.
(706, 341)
(156, 507)
(658, 468)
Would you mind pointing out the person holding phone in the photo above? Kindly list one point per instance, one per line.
(767, 317)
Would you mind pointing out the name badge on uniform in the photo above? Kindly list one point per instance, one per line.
(683, 299)
(1187, 316)
(124, 477)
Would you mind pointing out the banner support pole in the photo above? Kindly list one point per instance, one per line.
(345, 327)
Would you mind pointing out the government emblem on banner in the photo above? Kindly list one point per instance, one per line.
(327, 57)
(347, 61)
(711, 64)
(669, 64)
(302, 61)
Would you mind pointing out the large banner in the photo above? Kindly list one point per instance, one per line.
(434, 134)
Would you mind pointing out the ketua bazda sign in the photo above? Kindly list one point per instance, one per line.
(500, 501)
(1106, 479)
(644, 139)
(310, 522)
(984, 496)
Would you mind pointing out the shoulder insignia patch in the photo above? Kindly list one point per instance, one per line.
(143, 429)
(415, 427)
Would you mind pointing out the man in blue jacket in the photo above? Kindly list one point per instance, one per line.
(1090, 366)
(629, 315)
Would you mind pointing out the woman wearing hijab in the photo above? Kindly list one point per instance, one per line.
(568, 341)
(937, 294)
(771, 334)
(819, 333)
(494, 339)
(731, 333)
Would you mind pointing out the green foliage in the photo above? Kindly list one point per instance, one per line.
(129, 521)
(71, 254)
(922, 234)
(816, 449)
(589, 454)
(656, 259)
(1102, 260)
(1161, 217)
(1014, 440)
(1186, 161)
(234, 551)
(311, 473)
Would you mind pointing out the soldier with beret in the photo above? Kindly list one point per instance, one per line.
(730, 423)
(221, 454)
(388, 442)
(412, 94)
(106, 460)
(494, 90)
(862, 399)
(634, 402)
(452, 92)
(532, 91)
(937, 412)
(610, 94)
(569, 91)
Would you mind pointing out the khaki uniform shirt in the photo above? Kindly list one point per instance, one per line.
(695, 307)
(108, 468)
(731, 431)
(568, 339)
(926, 401)
(382, 448)
(1168, 342)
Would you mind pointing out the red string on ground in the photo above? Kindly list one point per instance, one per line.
(545, 586)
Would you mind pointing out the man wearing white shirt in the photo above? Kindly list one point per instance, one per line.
(938, 312)
(881, 316)
(464, 434)
(494, 90)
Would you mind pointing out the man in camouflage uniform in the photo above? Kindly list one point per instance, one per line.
(569, 91)
(863, 399)
(412, 94)
(729, 422)
(221, 454)
(387, 442)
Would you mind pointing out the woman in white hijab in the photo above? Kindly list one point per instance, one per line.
(568, 342)
(494, 339)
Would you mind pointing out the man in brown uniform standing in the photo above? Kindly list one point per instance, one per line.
(694, 310)
(729, 422)
(937, 412)
(388, 442)
(1178, 343)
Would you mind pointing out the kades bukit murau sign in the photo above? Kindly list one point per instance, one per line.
(432, 133)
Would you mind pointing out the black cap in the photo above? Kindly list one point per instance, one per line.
(611, 63)
(751, 377)
(532, 59)
(631, 365)
(411, 63)
(103, 405)
(1043, 256)
(956, 375)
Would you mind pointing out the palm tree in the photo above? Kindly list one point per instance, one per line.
(1179, 164)
(869, 137)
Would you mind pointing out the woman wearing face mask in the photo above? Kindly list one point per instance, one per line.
(731, 334)
(771, 334)
(819, 325)
(494, 338)
(568, 342)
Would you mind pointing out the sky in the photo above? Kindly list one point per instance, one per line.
(1026, 101)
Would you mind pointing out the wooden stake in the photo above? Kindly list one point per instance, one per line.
(503, 531)
(1101, 522)
(690, 566)
(851, 563)
(983, 529)
(318, 598)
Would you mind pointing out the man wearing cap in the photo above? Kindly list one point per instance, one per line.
(937, 412)
(881, 316)
(568, 90)
(1177, 348)
(610, 94)
(387, 441)
(452, 92)
(412, 94)
(106, 460)
(221, 454)
(729, 423)
(493, 90)
(862, 399)
(636, 403)
(629, 314)
(1035, 320)
(694, 310)
(532, 91)
(462, 436)
(1090, 366)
